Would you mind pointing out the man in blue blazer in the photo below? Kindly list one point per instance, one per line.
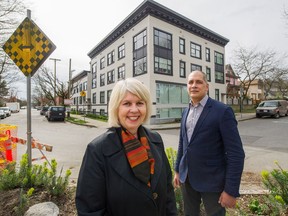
(210, 157)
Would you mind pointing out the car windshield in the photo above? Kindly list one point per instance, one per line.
(57, 109)
(268, 104)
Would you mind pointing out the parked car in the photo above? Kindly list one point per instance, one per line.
(272, 108)
(56, 113)
(43, 110)
(6, 110)
(2, 114)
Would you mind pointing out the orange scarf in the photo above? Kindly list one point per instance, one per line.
(139, 154)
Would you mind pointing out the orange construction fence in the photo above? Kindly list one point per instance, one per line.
(8, 144)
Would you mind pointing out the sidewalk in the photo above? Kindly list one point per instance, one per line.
(101, 124)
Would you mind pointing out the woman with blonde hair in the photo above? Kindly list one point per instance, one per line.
(125, 171)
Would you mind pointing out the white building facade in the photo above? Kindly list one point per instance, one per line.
(79, 92)
(160, 48)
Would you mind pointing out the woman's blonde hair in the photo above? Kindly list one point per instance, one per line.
(119, 91)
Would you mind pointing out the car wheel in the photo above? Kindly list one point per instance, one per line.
(258, 116)
(276, 115)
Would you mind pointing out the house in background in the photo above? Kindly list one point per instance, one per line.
(233, 85)
(256, 91)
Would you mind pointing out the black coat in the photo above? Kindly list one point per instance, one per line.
(107, 185)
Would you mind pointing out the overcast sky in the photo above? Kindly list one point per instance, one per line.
(75, 27)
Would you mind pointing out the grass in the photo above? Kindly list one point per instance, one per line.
(76, 120)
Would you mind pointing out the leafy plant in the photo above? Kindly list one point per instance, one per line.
(24, 201)
(276, 182)
(37, 176)
(256, 207)
(172, 155)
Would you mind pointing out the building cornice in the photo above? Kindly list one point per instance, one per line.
(80, 76)
(152, 8)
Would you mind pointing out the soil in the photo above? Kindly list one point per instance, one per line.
(10, 199)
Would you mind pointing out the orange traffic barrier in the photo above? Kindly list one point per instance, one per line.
(8, 149)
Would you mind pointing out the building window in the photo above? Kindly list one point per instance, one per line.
(208, 74)
(140, 40)
(219, 58)
(94, 98)
(167, 93)
(121, 72)
(85, 86)
(121, 51)
(108, 95)
(181, 45)
(217, 94)
(182, 69)
(94, 68)
(80, 87)
(102, 63)
(162, 52)
(140, 66)
(219, 77)
(219, 68)
(110, 58)
(162, 39)
(94, 80)
(75, 100)
(94, 75)
(195, 50)
(163, 66)
(102, 97)
(102, 79)
(207, 54)
(195, 67)
(110, 77)
(140, 54)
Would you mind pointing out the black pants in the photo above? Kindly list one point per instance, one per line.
(192, 200)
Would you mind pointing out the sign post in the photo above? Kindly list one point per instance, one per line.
(28, 47)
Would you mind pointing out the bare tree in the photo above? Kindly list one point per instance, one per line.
(252, 64)
(45, 88)
(282, 85)
(285, 15)
(271, 78)
(11, 11)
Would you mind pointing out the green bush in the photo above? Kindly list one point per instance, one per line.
(276, 182)
(36, 176)
(172, 155)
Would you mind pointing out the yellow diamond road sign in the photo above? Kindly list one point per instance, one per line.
(82, 93)
(28, 47)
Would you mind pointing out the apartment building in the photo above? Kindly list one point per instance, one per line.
(79, 91)
(160, 47)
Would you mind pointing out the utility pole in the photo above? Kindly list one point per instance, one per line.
(55, 60)
(69, 86)
(70, 78)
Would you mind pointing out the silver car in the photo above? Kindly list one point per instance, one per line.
(272, 108)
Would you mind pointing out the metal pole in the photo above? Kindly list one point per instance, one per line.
(54, 59)
(70, 75)
(29, 132)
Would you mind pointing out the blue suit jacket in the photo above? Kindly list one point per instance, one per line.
(214, 157)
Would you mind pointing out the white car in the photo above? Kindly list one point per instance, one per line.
(2, 114)
(6, 110)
